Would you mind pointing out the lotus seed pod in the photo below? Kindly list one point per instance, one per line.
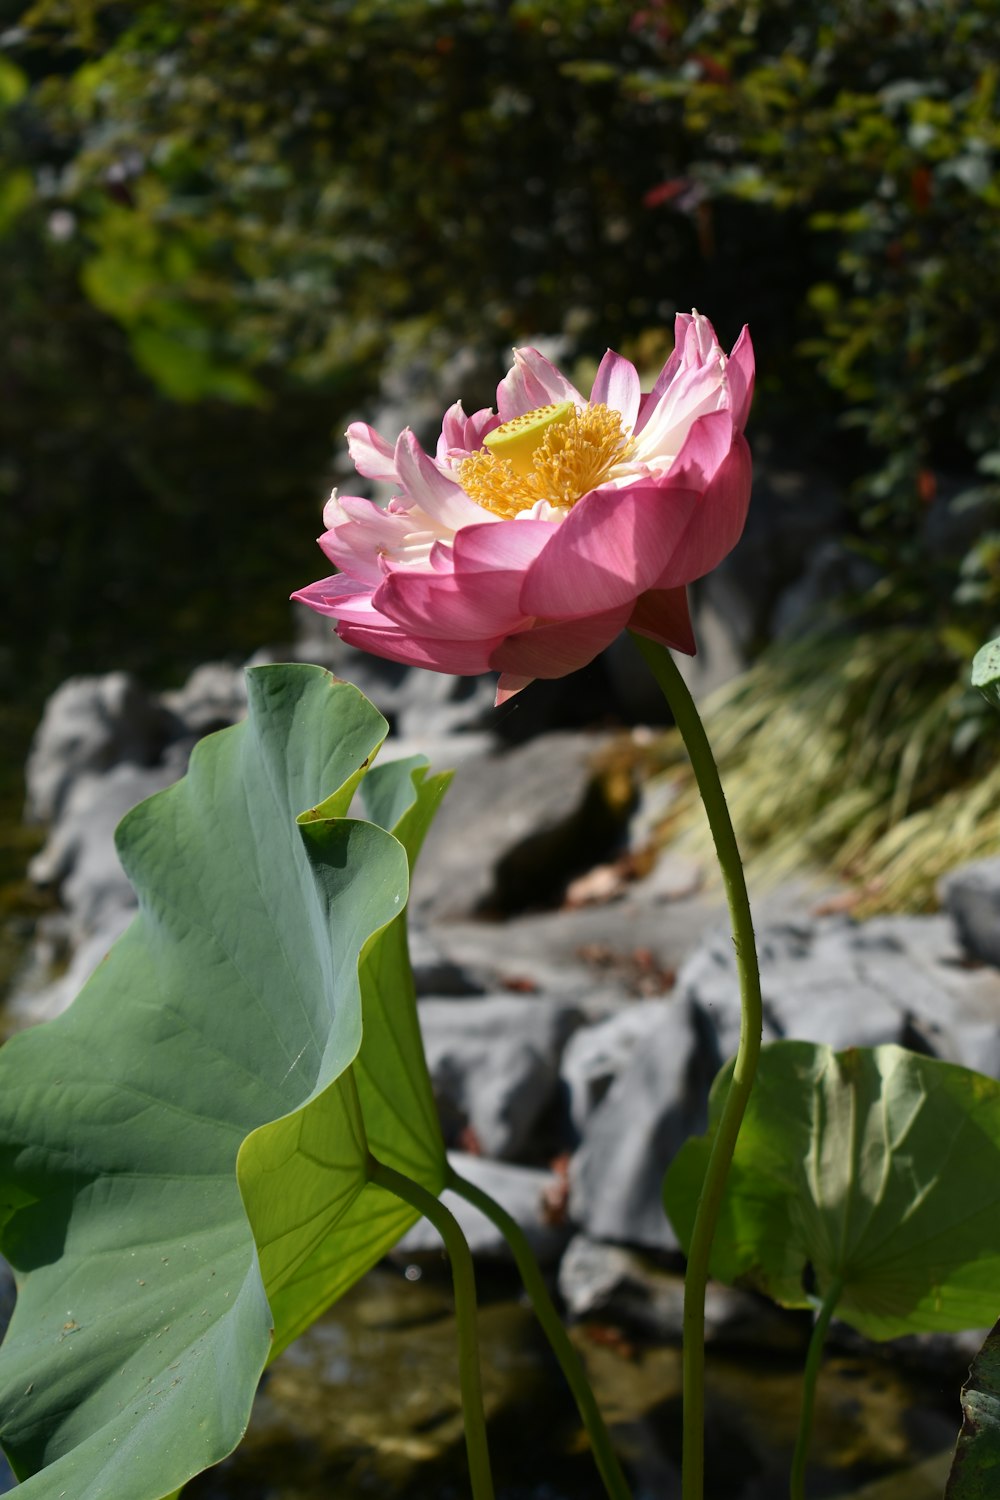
(517, 440)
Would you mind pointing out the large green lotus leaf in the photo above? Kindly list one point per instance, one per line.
(875, 1167)
(229, 1008)
(975, 1471)
(393, 1092)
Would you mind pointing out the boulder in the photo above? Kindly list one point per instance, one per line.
(89, 725)
(515, 826)
(971, 896)
(494, 1065)
(80, 856)
(849, 984)
(657, 1100)
(621, 1286)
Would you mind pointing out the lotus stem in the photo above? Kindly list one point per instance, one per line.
(464, 1282)
(706, 772)
(813, 1358)
(559, 1341)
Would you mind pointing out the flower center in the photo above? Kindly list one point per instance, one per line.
(554, 453)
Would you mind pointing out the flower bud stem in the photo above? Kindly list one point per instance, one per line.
(559, 1341)
(464, 1282)
(688, 721)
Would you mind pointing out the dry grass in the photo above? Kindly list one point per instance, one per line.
(862, 755)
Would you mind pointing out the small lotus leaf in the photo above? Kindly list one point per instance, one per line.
(875, 1167)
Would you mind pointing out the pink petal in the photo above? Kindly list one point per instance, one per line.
(372, 455)
(461, 435)
(689, 384)
(464, 658)
(718, 521)
(740, 373)
(508, 685)
(553, 650)
(336, 595)
(452, 431)
(616, 385)
(359, 532)
(695, 391)
(613, 545)
(439, 497)
(533, 381)
(663, 615)
(479, 594)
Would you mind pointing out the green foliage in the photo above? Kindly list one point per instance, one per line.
(976, 1467)
(826, 123)
(874, 1170)
(184, 1153)
(986, 672)
(283, 204)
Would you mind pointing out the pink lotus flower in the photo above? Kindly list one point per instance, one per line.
(539, 532)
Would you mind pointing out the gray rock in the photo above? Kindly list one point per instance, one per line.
(80, 857)
(89, 725)
(494, 1065)
(532, 1197)
(655, 1103)
(33, 1002)
(213, 697)
(845, 984)
(595, 1055)
(598, 957)
(434, 972)
(971, 896)
(515, 825)
(608, 1281)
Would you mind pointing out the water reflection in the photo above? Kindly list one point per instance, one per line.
(366, 1404)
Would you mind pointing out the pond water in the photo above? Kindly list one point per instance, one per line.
(366, 1404)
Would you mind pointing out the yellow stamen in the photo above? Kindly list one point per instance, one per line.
(554, 453)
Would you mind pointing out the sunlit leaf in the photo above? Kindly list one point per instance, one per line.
(877, 1168)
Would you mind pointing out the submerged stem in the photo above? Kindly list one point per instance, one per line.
(464, 1281)
(813, 1358)
(687, 719)
(559, 1341)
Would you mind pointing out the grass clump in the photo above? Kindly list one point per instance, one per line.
(865, 755)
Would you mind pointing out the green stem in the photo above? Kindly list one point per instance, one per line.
(813, 1358)
(562, 1348)
(706, 773)
(464, 1280)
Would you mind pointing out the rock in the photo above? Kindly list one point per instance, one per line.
(515, 826)
(80, 855)
(31, 1003)
(434, 972)
(598, 957)
(845, 984)
(214, 696)
(656, 1102)
(89, 725)
(494, 1065)
(971, 896)
(621, 1286)
(595, 1055)
(533, 1198)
